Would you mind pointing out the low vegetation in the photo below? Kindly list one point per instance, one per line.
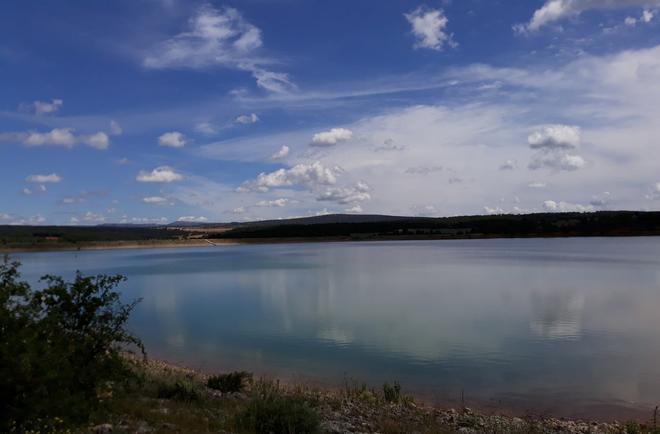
(229, 383)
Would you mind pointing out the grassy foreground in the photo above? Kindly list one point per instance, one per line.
(168, 399)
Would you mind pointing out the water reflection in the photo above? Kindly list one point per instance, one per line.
(524, 322)
(557, 315)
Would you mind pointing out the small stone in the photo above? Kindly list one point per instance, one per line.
(102, 428)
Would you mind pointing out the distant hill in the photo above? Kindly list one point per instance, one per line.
(344, 227)
(604, 223)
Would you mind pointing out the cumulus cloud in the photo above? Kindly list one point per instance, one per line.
(283, 152)
(155, 200)
(346, 195)
(159, 174)
(389, 145)
(509, 165)
(65, 137)
(92, 217)
(356, 209)
(217, 38)
(247, 119)
(173, 139)
(192, 219)
(47, 108)
(99, 140)
(555, 10)
(552, 206)
(552, 143)
(429, 28)
(557, 161)
(555, 137)
(331, 137)
(21, 221)
(277, 203)
(143, 220)
(424, 170)
(493, 210)
(313, 174)
(44, 179)
(115, 128)
(206, 128)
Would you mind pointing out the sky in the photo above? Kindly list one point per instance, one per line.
(153, 111)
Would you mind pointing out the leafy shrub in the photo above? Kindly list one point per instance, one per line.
(180, 390)
(59, 345)
(229, 383)
(392, 393)
(633, 428)
(273, 411)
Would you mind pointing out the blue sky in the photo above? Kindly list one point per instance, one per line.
(155, 111)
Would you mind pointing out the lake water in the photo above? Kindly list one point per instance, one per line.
(561, 326)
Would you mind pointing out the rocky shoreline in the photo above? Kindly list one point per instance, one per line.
(353, 409)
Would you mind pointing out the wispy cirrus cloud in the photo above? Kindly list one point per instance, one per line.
(556, 10)
(218, 38)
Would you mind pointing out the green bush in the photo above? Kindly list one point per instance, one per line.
(180, 390)
(392, 393)
(272, 410)
(60, 345)
(229, 383)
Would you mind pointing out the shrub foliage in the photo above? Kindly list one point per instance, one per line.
(229, 383)
(59, 346)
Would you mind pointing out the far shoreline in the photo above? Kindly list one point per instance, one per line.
(221, 242)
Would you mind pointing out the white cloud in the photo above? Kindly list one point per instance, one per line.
(43, 179)
(173, 139)
(47, 108)
(630, 21)
(192, 219)
(552, 143)
(555, 137)
(552, 206)
(495, 210)
(247, 119)
(159, 174)
(155, 200)
(115, 128)
(537, 184)
(555, 10)
(283, 152)
(647, 15)
(65, 137)
(346, 195)
(31, 221)
(57, 137)
(357, 209)
(278, 203)
(218, 38)
(509, 165)
(557, 161)
(143, 220)
(311, 175)
(92, 217)
(424, 170)
(206, 128)
(331, 137)
(99, 140)
(276, 82)
(428, 26)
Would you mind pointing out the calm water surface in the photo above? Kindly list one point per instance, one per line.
(565, 326)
